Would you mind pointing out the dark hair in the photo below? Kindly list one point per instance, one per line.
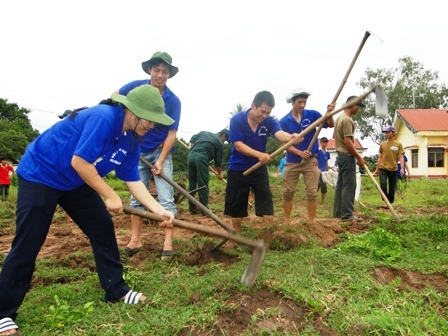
(158, 62)
(264, 97)
(107, 101)
(224, 132)
(2, 158)
(303, 96)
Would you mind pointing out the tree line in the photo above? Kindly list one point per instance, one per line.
(408, 85)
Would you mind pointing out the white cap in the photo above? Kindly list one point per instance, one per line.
(297, 92)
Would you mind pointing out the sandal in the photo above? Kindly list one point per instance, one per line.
(166, 254)
(6, 324)
(128, 252)
(132, 297)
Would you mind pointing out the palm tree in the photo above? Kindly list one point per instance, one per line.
(238, 108)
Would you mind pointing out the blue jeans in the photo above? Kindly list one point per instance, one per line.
(165, 192)
(344, 197)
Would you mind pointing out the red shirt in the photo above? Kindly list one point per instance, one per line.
(4, 173)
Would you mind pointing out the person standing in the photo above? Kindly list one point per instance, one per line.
(391, 151)
(402, 178)
(156, 147)
(281, 166)
(6, 173)
(346, 160)
(322, 159)
(65, 165)
(248, 134)
(206, 146)
(300, 160)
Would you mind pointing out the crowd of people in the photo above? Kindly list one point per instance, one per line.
(65, 166)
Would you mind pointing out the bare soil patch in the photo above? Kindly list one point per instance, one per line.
(276, 312)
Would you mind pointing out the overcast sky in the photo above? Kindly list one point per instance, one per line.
(59, 55)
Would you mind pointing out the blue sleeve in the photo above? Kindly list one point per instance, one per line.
(95, 136)
(273, 125)
(236, 129)
(124, 90)
(173, 110)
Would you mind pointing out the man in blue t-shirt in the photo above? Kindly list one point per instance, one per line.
(322, 159)
(156, 148)
(248, 133)
(300, 160)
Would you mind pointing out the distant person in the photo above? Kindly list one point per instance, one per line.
(402, 178)
(300, 160)
(322, 159)
(391, 151)
(346, 160)
(248, 133)
(281, 166)
(205, 147)
(65, 165)
(156, 147)
(6, 173)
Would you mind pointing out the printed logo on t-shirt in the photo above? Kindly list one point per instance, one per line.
(394, 148)
(118, 156)
(305, 123)
(98, 160)
(263, 131)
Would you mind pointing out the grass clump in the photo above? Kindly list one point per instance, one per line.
(379, 244)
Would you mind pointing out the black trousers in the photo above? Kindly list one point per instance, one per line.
(4, 191)
(36, 204)
(388, 183)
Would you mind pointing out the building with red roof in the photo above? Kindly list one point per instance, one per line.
(331, 147)
(424, 135)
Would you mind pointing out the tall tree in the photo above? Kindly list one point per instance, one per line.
(16, 131)
(407, 86)
(239, 107)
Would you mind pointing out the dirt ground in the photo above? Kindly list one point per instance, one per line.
(65, 238)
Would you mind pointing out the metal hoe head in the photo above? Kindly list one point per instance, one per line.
(253, 269)
(259, 246)
(381, 109)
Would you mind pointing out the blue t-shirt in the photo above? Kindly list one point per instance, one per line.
(290, 125)
(322, 159)
(158, 134)
(94, 134)
(240, 130)
(399, 165)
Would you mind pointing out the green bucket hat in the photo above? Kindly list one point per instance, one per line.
(157, 57)
(146, 103)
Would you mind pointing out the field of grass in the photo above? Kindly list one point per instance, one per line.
(390, 279)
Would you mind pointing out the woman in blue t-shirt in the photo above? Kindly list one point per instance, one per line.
(65, 166)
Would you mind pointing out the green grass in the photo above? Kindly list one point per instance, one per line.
(338, 283)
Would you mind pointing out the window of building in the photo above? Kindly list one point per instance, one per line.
(436, 157)
(414, 158)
